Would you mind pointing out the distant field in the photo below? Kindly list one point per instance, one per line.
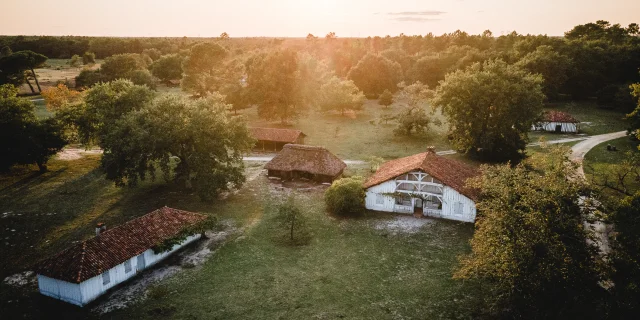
(56, 70)
(359, 135)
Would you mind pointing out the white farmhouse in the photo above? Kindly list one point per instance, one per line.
(557, 121)
(83, 272)
(425, 184)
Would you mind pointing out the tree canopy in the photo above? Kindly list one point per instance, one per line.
(490, 108)
(374, 73)
(341, 95)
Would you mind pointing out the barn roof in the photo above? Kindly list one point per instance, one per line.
(277, 135)
(112, 247)
(558, 116)
(451, 172)
(316, 160)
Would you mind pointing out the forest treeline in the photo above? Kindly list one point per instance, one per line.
(592, 60)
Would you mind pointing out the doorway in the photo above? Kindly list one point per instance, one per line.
(417, 207)
(558, 128)
(141, 262)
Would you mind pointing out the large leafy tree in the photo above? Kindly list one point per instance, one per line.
(634, 117)
(24, 139)
(490, 108)
(530, 249)
(552, 65)
(374, 73)
(168, 67)
(19, 67)
(340, 95)
(122, 65)
(204, 69)
(204, 142)
(274, 84)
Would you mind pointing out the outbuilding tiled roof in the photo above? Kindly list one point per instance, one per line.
(277, 135)
(112, 247)
(558, 116)
(316, 160)
(451, 172)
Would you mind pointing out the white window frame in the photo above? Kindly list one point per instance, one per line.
(379, 199)
(127, 266)
(106, 278)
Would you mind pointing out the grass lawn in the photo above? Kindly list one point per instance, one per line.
(349, 269)
(359, 135)
(600, 160)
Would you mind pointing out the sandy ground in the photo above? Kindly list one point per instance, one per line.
(407, 224)
(71, 153)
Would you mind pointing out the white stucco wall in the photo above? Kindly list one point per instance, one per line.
(90, 289)
(551, 127)
(449, 198)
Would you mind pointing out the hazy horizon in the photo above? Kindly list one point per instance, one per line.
(297, 18)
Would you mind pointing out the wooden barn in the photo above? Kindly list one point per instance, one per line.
(83, 272)
(272, 139)
(557, 121)
(305, 162)
(425, 184)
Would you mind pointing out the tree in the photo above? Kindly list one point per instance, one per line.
(374, 73)
(205, 142)
(152, 53)
(88, 58)
(74, 61)
(273, 84)
(5, 52)
(19, 67)
(293, 220)
(88, 78)
(224, 36)
(551, 65)
(142, 77)
(120, 65)
(341, 95)
(204, 70)
(59, 96)
(530, 248)
(23, 138)
(490, 108)
(634, 117)
(386, 98)
(414, 119)
(345, 197)
(167, 68)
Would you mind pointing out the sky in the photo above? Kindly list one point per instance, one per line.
(297, 18)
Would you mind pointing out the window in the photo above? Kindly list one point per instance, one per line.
(127, 266)
(404, 201)
(106, 278)
(379, 199)
(457, 208)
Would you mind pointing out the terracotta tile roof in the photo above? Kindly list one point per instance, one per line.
(278, 135)
(451, 172)
(558, 116)
(112, 247)
(316, 160)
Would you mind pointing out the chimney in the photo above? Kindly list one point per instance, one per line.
(100, 227)
(431, 149)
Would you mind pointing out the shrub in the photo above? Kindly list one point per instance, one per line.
(74, 61)
(88, 58)
(87, 78)
(345, 197)
(142, 77)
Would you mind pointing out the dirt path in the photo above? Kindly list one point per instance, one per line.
(578, 152)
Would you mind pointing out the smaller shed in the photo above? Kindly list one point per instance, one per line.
(305, 162)
(557, 121)
(273, 139)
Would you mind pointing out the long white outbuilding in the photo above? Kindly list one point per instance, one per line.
(85, 271)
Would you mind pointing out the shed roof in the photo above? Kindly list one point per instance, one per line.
(316, 160)
(451, 172)
(558, 116)
(277, 135)
(112, 247)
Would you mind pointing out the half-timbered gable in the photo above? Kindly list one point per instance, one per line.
(424, 184)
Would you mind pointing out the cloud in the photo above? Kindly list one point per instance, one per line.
(417, 13)
(413, 19)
